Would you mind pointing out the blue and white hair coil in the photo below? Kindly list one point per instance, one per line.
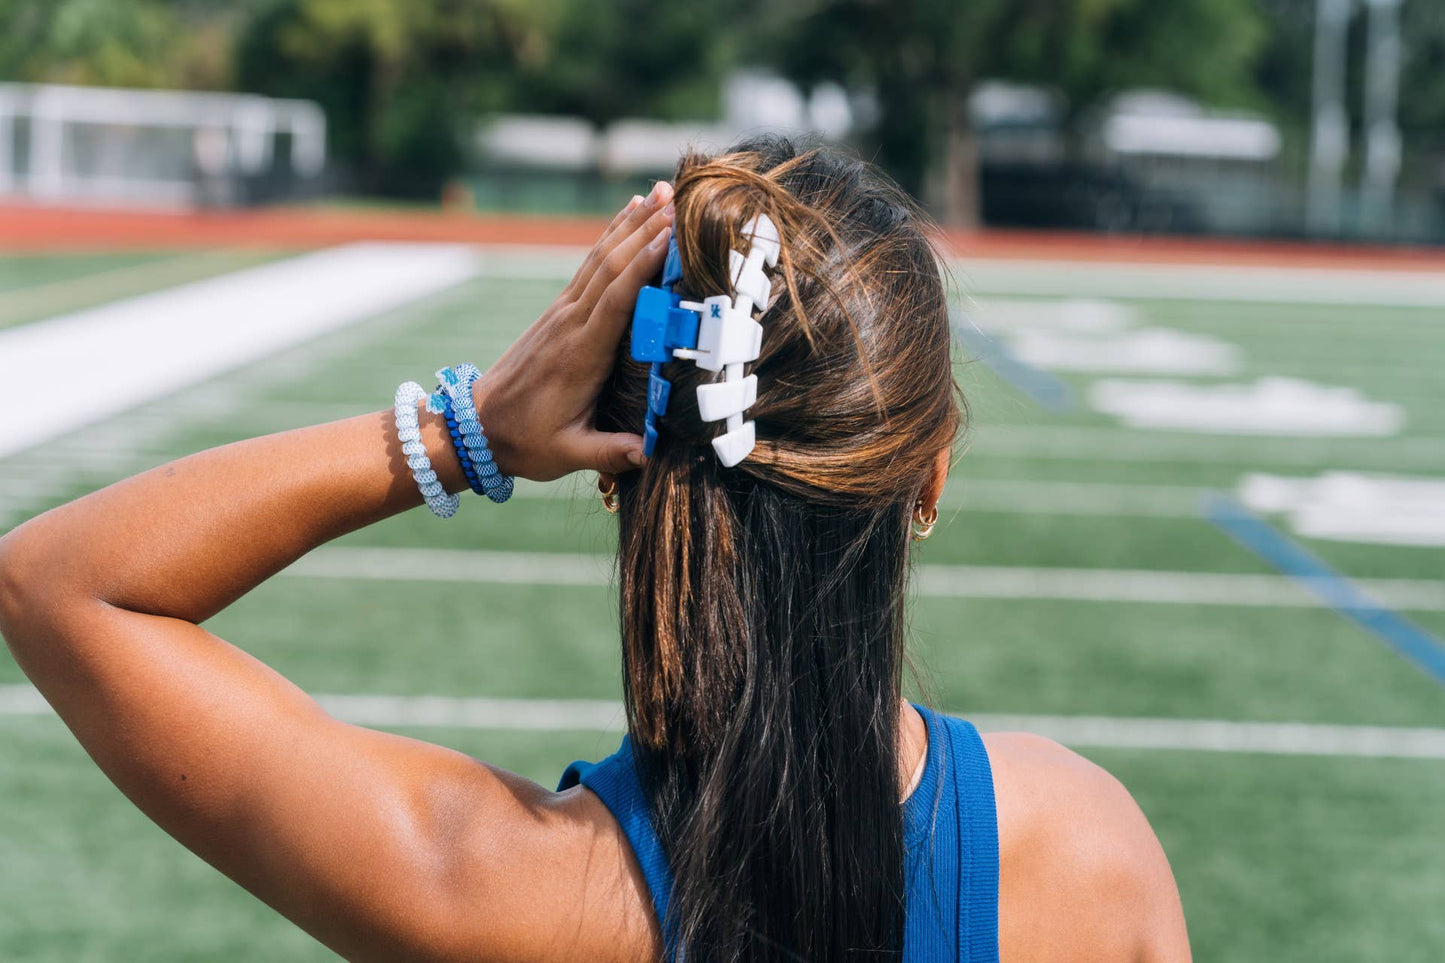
(408, 430)
(459, 446)
(717, 334)
(456, 387)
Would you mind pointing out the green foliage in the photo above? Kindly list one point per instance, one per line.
(1422, 108)
(401, 80)
(922, 57)
(121, 43)
(631, 58)
(1283, 76)
(115, 42)
(419, 139)
(1284, 69)
(1090, 48)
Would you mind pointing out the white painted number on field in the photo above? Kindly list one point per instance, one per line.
(1354, 506)
(1269, 406)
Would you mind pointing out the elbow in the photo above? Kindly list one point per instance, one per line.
(20, 584)
(10, 587)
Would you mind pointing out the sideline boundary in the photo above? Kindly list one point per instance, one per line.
(1095, 732)
(1350, 598)
(480, 566)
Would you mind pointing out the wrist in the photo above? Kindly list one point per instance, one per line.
(438, 441)
(494, 425)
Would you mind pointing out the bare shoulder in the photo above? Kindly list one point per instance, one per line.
(550, 876)
(1082, 875)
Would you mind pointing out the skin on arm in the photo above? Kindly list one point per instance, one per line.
(382, 847)
(1082, 875)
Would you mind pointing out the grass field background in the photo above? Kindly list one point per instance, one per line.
(1278, 856)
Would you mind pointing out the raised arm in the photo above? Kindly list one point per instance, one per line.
(365, 839)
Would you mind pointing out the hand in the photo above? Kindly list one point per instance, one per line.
(537, 402)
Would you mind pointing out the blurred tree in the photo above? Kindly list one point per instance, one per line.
(1286, 62)
(129, 43)
(121, 43)
(1422, 108)
(922, 59)
(1286, 67)
(400, 80)
(632, 58)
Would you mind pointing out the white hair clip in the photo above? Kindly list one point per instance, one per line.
(717, 334)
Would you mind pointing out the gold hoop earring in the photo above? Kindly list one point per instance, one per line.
(923, 527)
(608, 491)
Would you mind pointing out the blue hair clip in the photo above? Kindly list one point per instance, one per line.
(718, 334)
(660, 325)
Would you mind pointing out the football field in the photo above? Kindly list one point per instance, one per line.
(1197, 532)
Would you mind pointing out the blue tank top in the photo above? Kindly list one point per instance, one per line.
(950, 836)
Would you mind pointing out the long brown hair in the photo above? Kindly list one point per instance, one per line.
(763, 615)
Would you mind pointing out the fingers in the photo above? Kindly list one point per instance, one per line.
(621, 215)
(614, 309)
(606, 451)
(623, 226)
(584, 270)
(620, 258)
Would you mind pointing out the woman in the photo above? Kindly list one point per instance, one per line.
(777, 799)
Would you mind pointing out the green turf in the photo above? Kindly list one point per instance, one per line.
(1299, 859)
(20, 271)
(1395, 356)
(36, 287)
(1174, 661)
(1278, 858)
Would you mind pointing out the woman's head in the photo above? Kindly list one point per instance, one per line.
(856, 395)
(762, 605)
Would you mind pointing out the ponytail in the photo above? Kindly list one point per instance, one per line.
(762, 644)
(763, 616)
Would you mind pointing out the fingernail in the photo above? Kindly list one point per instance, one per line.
(670, 211)
(661, 240)
(636, 200)
(656, 194)
(635, 456)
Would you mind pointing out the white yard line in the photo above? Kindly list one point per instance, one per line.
(103, 282)
(1199, 282)
(1093, 443)
(59, 375)
(454, 565)
(1099, 732)
(942, 581)
(506, 262)
(1073, 498)
(534, 715)
(22, 482)
(1214, 735)
(1008, 496)
(1077, 279)
(35, 478)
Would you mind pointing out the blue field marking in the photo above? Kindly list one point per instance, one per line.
(1292, 559)
(1049, 392)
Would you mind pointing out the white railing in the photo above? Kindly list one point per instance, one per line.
(99, 144)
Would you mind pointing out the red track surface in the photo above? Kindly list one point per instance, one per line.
(30, 229)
